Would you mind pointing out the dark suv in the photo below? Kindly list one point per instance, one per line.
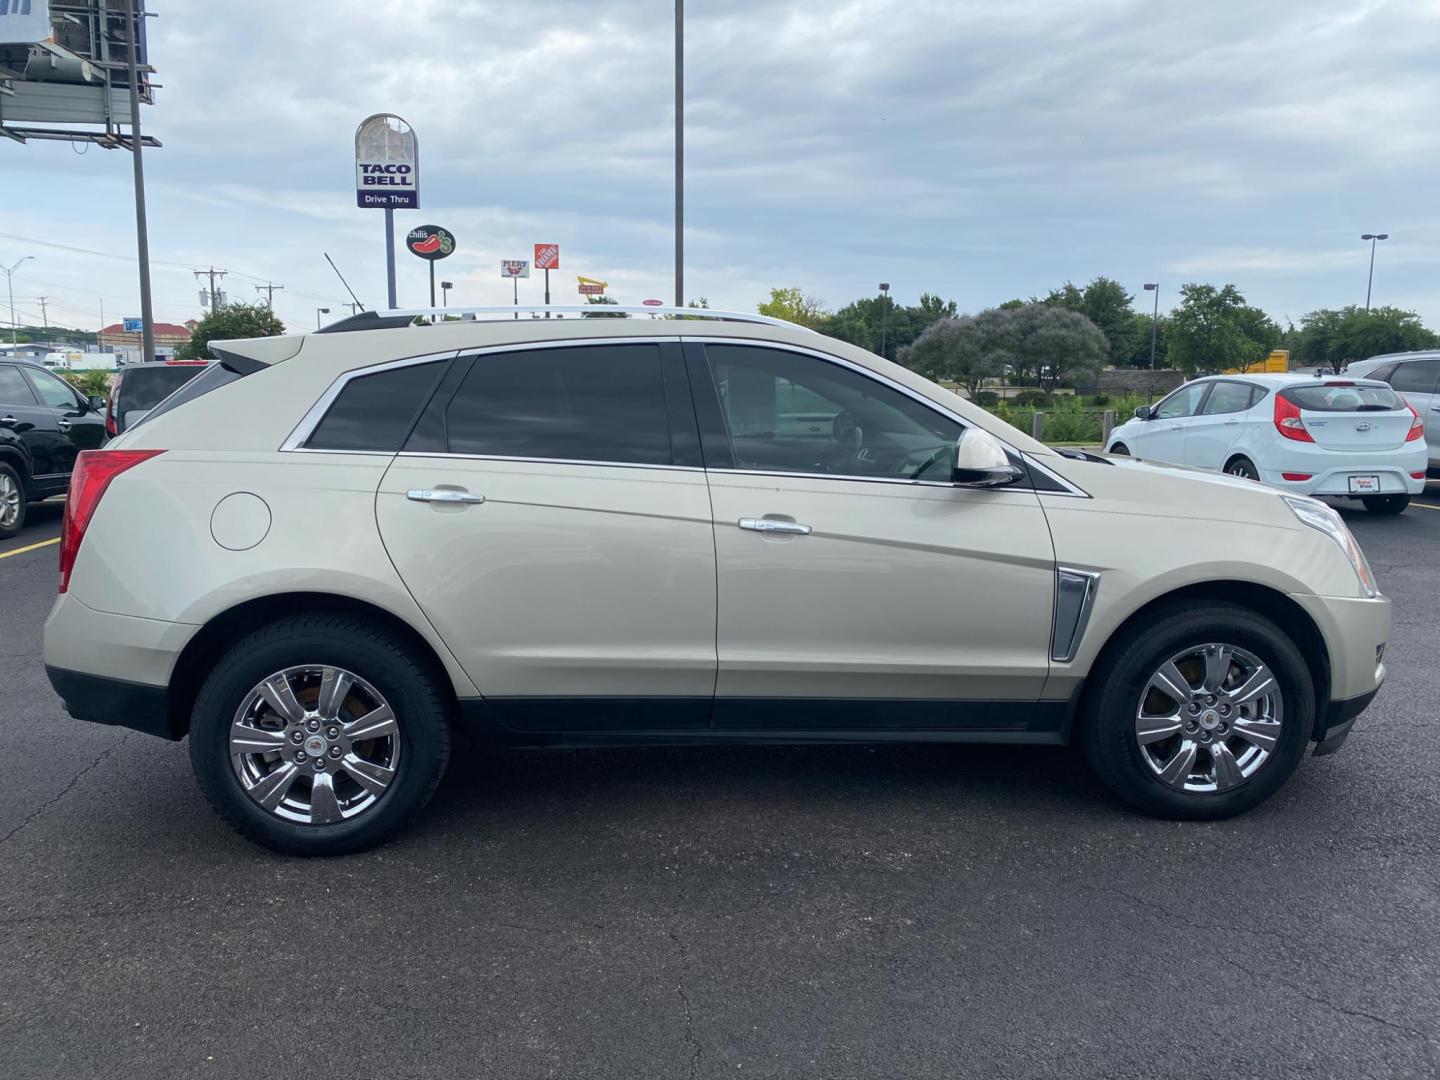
(44, 423)
(139, 388)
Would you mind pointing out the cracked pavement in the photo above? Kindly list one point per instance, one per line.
(756, 912)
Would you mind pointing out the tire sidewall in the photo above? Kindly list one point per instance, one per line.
(1109, 738)
(1250, 473)
(14, 530)
(424, 741)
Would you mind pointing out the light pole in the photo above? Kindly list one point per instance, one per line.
(10, 281)
(318, 312)
(1372, 237)
(884, 312)
(1154, 287)
(679, 154)
(445, 287)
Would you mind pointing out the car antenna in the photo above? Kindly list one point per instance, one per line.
(343, 281)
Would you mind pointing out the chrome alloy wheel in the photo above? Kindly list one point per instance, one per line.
(9, 501)
(315, 744)
(1209, 718)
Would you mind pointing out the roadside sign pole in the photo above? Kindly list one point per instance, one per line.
(432, 284)
(142, 232)
(547, 292)
(515, 286)
(390, 257)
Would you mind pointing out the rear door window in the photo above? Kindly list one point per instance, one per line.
(1416, 377)
(210, 378)
(1228, 397)
(14, 390)
(1338, 397)
(144, 388)
(377, 411)
(592, 403)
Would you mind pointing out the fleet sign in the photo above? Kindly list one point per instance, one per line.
(387, 163)
(547, 256)
(430, 242)
(130, 326)
(515, 268)
(24, 22)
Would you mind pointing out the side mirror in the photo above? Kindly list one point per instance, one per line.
(1142, 413)
(97, 403)
(981, 461)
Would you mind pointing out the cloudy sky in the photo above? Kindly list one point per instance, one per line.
(979, 150)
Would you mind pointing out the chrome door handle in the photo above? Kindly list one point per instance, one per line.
(63, 424)
(1229, 422)
(767, 525)
(8, 420)
(444, 495)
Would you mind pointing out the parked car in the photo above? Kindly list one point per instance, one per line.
(1351, 437)
(44, 423)
(588, 532)
(1416, 377)
(138, 388)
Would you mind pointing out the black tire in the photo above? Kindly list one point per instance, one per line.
(1121, 449)
(416, 695)
(1242, 467)
(1107, 733)
(11, 477)
(1386, 504)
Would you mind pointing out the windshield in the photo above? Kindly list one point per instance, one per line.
(1344, 397)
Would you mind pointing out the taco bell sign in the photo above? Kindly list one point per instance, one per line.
(387, 164)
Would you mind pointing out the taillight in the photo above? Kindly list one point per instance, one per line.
(1287, 420)
(1417, 425)
(94, 469)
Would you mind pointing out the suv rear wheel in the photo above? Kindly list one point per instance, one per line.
(319, 735)
(1201, 712)
(12, 502)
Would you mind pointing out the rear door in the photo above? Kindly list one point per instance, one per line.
(1418, 381)
(1217, 427)
(1162, 437)
(551, 517)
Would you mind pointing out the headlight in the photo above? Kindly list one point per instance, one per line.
(1319, 516)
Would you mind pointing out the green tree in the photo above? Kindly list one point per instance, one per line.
(967, 350)
(1214, 329)
(233, 321)
(1332, 338)
(793, 305)
(602, 301)
(931, 307)
(1053, 344)
(1106, 304)
(1137, 354)
(701, 302)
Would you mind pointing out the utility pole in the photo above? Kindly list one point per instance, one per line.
(269, 291)
(142, 232)
(44, 314)
(214, 293)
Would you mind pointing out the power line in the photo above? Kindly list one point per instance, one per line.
(217, 298)
(269, 290)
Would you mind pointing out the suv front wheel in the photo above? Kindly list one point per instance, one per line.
(319, 735)
(1201, 712)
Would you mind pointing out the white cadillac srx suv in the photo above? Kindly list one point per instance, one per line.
(329, 550)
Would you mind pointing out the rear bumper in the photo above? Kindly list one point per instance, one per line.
(100, 699)
(1330, 470)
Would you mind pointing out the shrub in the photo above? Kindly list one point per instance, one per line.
(89, 383)
(1031, 398)
(986, 399)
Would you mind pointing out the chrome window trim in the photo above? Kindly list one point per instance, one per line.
(546, 461)
(311, 420)
(1074, 598)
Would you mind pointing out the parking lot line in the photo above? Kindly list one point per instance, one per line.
(1425, 506)
(56, 540)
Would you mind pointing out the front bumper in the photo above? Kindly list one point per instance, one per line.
(1355, 631)
(1333, 725)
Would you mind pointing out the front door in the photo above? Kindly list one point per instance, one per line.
(858, 588)
(52, 455)
(551, 518)
(1162, 437)
(79, 427)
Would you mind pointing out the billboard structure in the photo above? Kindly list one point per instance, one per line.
(78, 71)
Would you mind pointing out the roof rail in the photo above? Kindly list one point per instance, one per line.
(380, 320)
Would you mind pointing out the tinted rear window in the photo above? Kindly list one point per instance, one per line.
(144, 388)
(1336, 398)
(209, 378)
(376, 412)
(586, 403)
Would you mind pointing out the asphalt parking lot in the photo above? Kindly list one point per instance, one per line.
(756, 912)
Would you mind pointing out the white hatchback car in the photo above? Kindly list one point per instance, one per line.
(327, 550)
(1345, 437)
